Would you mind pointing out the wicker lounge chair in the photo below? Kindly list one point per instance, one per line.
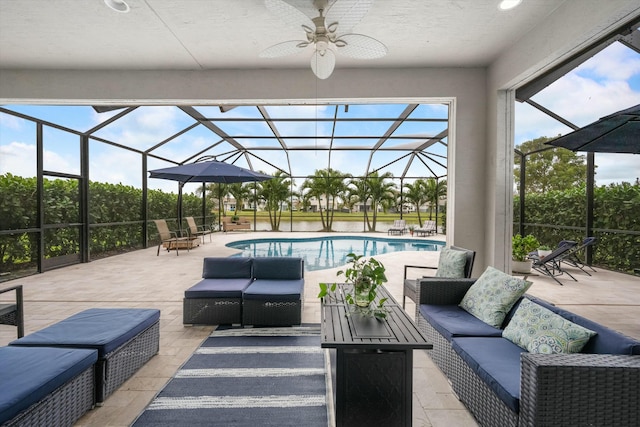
(13, 314)
(410, 286)
(198, 230)
(550, 265)
(399, 227)
(170, 239)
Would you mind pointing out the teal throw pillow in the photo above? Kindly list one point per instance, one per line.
(491, 296)
(540, 330)
(451, 263)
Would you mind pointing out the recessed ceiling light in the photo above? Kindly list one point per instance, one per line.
(117, 5)
(509, 4)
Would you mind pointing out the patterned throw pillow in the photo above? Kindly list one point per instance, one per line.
(539, 330)
(491, 296)
(451, 263)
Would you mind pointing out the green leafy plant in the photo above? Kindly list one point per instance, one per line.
(365, 275)
(544, 247)
(522, 246)
(235, 218)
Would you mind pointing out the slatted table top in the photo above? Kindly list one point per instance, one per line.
(340, 329)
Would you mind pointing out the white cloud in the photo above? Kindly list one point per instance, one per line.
(18, 159)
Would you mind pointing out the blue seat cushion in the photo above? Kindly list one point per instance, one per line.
(226, 268)
(218, 288)
(28, 375)
(103, 329)
(278, 268)
(452, 321)
(275, 290)
(497, 362)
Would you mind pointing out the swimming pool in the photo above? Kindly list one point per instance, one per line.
(320, 253)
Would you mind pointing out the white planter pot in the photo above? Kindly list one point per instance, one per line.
(543, 253)
(521, 266)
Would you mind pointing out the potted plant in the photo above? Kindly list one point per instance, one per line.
(520, 249)
(544, 250)
(365, 275)
(235, 218)
(411, 228)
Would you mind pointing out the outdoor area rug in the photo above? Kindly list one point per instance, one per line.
(247, 377)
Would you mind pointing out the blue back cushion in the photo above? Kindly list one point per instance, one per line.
(226, 268)
(27, 375)
(278, 268)
(497, 362)
(103, 329)
(452, 321)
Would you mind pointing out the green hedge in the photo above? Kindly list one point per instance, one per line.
(557, 215)
(108, 204)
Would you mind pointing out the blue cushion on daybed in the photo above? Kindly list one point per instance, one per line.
(27, 375)
(452, 321)
(218, 288)
(275, 290)
(278, 268)
(497, 362)
(104, 329)
(226, 268)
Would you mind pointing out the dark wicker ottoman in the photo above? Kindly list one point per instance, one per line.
(126, 338)
(45, 386)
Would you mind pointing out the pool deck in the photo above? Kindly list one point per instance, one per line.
(142, 279)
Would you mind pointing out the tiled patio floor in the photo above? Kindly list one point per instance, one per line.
(142, 279)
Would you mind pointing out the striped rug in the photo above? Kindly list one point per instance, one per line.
(247, 377)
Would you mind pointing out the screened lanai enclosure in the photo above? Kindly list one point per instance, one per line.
(80, 187)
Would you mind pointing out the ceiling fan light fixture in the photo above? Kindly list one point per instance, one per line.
(508, 4)
(117, 5)
(323, 63)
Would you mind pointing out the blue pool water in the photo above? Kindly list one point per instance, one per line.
(320, 253)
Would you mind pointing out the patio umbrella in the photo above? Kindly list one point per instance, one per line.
(617, 133)
(206, 171)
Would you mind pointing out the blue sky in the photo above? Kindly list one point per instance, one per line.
(606, 83)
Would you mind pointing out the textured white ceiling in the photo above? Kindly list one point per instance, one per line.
(229, 34)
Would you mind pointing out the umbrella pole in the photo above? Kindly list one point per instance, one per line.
(180, 185)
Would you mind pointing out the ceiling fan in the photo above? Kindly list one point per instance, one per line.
(327, 33)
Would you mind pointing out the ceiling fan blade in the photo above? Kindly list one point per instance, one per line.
(284, 49)
(347, 13)
(322, 64)
(288, 13)
(361, 47)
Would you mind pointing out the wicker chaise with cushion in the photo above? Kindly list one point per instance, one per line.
(125, 338)
(12, 313)
(45, 386)
(493, 345)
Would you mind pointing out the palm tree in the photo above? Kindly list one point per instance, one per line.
(327, 183)
(435, 191)
(274, 192)
(359, 191)
(380, 192)
(240, 192)
(416, 194)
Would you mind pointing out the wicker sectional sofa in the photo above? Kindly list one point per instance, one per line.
(240, 224)
(504, 385)
(256, 291)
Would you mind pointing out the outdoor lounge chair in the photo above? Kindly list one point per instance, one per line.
(410, 286)
(550, 265)
(170, 239)
(571, 257)
(13, 314)
(428, 228)
(197, 230)
(399, 227)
